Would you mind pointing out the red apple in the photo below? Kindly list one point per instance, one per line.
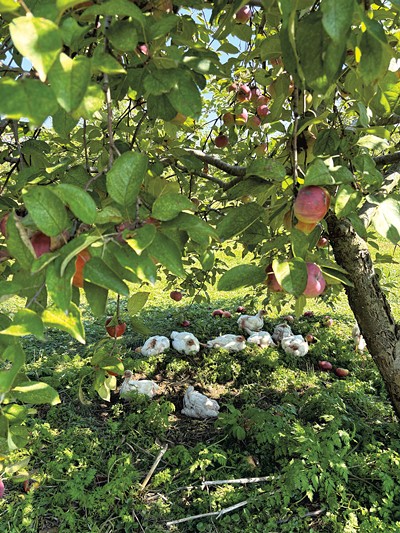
(325, 365)
(228, 119)
(322, 242)
(254, 123)
(243, 15)
(242, 116)
(328, 321)
(309, 338)
(272, 282)
(276, 61)
(255, 94)
(232, 87)
(226, 314)
(263, 110)
(288, 318)
(244, 93)
(315, 282)
(82, 258)
(308, 314)
(221, 141)
(115, 330)
(40, 243)
(185, 323)
(311, 204)
(217, 312)
(120, 228)
(2, 488)
(3, 224)
(241, 309)
(176, 295)
(305, 227)
(263, 100)
(341, 372)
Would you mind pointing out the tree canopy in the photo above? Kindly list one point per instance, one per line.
(141, 137)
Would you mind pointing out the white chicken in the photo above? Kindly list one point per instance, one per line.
(281, 331)
(295, 345)
(142, 386)
(185, 342)
(251, 323)
(359, 340)
(198, 405)
(155, 345)
(262, 339)
(232, 343)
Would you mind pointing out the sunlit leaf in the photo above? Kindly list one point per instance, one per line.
(241, 276)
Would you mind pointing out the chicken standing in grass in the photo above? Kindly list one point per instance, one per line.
(262, 339)
(295, 345)
(185, 342)
(198, 405)
(251, 323)
(232, 343)
(155, 345)
(142, 386)
(359, 340)
(281, 331)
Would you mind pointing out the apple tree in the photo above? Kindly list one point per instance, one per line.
(140, 137)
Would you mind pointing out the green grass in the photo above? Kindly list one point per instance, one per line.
(330, 447)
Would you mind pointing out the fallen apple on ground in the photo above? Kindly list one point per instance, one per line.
(342, 372)
(325, 365)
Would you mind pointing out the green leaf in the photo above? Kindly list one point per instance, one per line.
(18, 242)
(142, 238)
(97, 272)
(92, 102)
(17, 437)
(333, 275)
(37, 39)
(238, 220)
(136, 302)
(159, 106)
(79, 201)
(63, 123)
(15, 355)
(26, 98)
(267, 169)
(123, 35)
(291, 275)
(59, 286)
(106, 62)
(185, 96)
(341, 174)
(198, 230)
(337, 18)
(169, 205)
(300, 242)
(327, 143)
(126, 177)
(166, 252)
(386, 219)
(375, 53)
(36, 392)
(162, 26)
(139, 326)
(69, 321)
(25, 322)
(145, 269)
(9, 6)
(241, 276)
(47, 210)
(318, 174)
(346, 200)
(96, 297)
(160, 81)
(123, 8)
(69, 80)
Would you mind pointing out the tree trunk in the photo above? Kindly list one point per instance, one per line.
(369, 304)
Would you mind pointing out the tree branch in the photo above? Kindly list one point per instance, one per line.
(387, 159)
(232, 170)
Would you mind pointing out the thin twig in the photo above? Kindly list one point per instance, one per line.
(155, 464)
(233, 170)
(204, 515)
(135, 516)
(239, 481)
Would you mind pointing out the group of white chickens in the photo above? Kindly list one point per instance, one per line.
(196, 404)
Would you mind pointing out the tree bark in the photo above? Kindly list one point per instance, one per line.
(369, 304)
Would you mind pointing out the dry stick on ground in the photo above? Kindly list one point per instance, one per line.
(204, 515)
(239, 481)
(155, 464)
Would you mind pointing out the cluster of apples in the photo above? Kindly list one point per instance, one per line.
(327, 367)
(239, 116)
(316, 283)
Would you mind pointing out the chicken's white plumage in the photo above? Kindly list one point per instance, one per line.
(251, 323)
(185, 342)
(359, 340)
(155, 345)
(262, 339)
(198, 405)
(142, 386)
(232, 343)
(295, 345)
(281, 331)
